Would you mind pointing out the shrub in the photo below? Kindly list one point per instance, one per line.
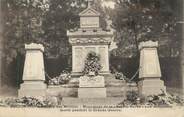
(120, 76)
(161, 100)
(31, 102)
(63, 78)
(132, 96)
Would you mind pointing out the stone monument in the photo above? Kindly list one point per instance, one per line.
(150, 73)
(92, 87)
(34, 74)
(89, 37)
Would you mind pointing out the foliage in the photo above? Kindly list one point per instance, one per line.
(120, 76)
(92, 63)
(38, 21)
(132, 96)
(41, 21)
(63, 78)
(132, 100)
(21, 24)
(103, 16)
(161, 100)
(28, 102)
(141, 20)
(61, 16)
(164, 99)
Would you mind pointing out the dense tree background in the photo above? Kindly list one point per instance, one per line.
(46, 22)
(141, 20)
(42, 21)
(38, 21)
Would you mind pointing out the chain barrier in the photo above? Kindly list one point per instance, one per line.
(134, 76)
(47, 75)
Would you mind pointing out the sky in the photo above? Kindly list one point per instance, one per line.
(108, 3)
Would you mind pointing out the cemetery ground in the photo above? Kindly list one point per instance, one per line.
(126, 98)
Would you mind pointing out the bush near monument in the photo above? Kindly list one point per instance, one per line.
(132, 100)
(29, 102)
(162, 100)
(120, 76)
(63, 78)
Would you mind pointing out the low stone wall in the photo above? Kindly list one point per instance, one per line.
(73, 92)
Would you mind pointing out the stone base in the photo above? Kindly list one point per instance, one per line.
(78, 74)
(32, 89)
(92, 82)
(151, 87)
(78, 102)
(92, 93)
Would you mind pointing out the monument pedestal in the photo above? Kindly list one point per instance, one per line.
(92, 87)
(32, 89)
(85, 92)
(150, 73)
(151, 86)
(78, 74)
(34, 74)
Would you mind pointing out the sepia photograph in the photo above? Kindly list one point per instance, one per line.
(92, 58)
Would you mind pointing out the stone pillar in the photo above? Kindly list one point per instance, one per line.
(33, 75)
(78, 59)
(150, 73)
(104, 59)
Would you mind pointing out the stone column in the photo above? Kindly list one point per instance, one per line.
(150, 73)
(34, 74)
(77, 60)
(104, 59)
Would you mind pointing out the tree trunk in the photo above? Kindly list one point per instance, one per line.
(181, 34)
(1, 45)
(182, 61)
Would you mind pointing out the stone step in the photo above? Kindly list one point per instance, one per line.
(109, 101)
(73, 92)
(115, 84)
(109, 82)
(112, 82)
(116, 91)
(114, 88)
